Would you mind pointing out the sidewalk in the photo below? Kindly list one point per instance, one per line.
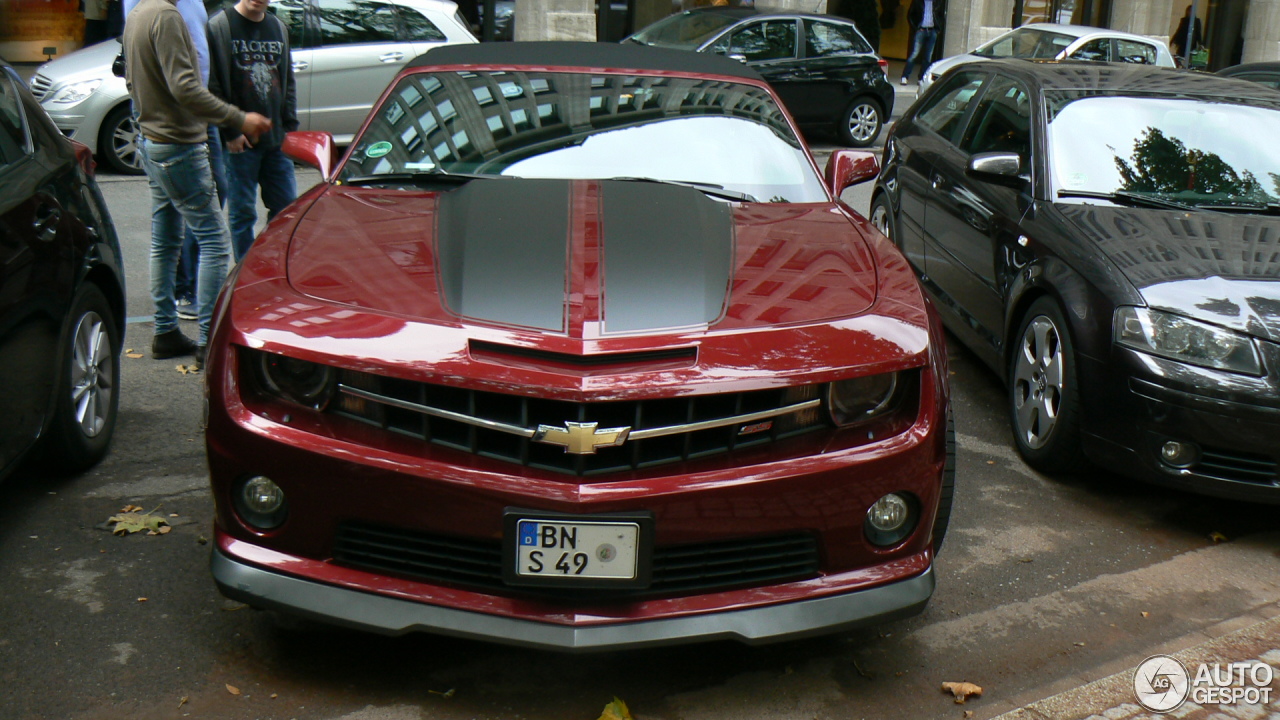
(1250, 638)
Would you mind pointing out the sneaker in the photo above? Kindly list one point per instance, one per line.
(200, 352)
(171, 344)
(903, 81)
(186, 309)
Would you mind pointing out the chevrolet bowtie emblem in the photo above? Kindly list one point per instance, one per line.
(581, 438)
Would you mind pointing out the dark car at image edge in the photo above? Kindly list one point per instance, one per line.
(1104, 237)
(61, 294)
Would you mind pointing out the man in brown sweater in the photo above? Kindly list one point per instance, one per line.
(174, 110)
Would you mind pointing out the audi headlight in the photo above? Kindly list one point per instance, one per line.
(1190, 341)
(74, 93)
(852, 401)
(299, 381)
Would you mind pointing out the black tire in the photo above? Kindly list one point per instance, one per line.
(117, 141)
(1044, 400)
(861, 122)
(882, 218)
(943, 518)
(84, 416)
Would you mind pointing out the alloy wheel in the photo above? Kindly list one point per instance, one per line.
(1038, 382)
(124, 141)
(91, 374)
(864, 123)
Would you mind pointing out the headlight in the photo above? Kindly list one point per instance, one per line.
(1190, 341)
(299, 381)
(851, 401)
(74, 93)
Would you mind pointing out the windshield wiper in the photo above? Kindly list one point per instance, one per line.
(416, 178)
(1246, 206)
(1127, 197)
(706, 188)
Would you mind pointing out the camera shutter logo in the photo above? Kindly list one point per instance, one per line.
(1161, 683)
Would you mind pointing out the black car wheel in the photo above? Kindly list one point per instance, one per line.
(882, 217)
(861, 123)
(943, 518)
(1044, 404)
(89, 379)
(118, 141)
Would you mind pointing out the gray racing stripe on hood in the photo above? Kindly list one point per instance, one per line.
(668, 257)
(503, 246)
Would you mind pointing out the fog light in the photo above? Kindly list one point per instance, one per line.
(1178, 454)
(891, 519)
(260, 503)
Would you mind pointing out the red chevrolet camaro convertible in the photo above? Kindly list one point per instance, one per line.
(577, 349)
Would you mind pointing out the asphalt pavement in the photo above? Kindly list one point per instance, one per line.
(1052, 593)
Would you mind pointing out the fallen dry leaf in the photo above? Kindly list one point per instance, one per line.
(968, 713)
(142, 599)
(962, 690)
(1146, 614)
(1217, 537)
(182, 701)
(616, 710)
(130, 508)
(134, 355)
(447, 693)
(132, 522)
(233, 689)
(186, 369)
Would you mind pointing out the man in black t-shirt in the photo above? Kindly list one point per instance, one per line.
(250, 67)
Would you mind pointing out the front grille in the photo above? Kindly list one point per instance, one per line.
(457, 418)
(40, 86)
(1242, 467)
(677, 570)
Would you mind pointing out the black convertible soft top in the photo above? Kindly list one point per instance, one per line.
(585, 55)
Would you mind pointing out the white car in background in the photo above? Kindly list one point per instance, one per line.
(345, 52)
(1051, 41)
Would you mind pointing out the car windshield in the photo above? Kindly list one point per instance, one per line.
(1026, 43)
(1180, 150)
(686, 31)
(716, 135)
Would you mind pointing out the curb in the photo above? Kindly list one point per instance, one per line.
(1113, 697)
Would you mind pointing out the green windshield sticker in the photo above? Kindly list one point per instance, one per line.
(378, 149)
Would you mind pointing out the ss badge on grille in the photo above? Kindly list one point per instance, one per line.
(581, 438)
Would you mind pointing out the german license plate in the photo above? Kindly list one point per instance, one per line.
(560, 550)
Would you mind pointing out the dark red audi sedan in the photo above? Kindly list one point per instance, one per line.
(577, 349)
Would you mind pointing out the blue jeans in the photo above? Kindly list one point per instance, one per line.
(921, 51)
(246, 171)
(188, 266)
(182, 191)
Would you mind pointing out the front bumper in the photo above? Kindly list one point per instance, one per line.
(1233, 421)
(388, 615)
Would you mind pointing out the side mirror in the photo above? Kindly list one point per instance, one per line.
(315, 149)
(1003, 164)
(738, 56)
(850, 167)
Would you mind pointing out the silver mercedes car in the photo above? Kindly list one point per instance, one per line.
(340, 67)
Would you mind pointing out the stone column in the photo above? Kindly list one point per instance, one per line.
(814, 6)
(1262, 31)
(971, 23)
(555, 20)
(1145, 17)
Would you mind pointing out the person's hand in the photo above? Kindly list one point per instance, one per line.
(254, 125)
(238, 145)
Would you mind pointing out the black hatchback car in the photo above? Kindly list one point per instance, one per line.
(61, 292)
(1108, 240)
(826, 73)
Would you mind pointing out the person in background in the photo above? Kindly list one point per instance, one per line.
(174, 111)
(95, 22)
(1179, 40)
(252, 69)
(184, 287)
(925, 18)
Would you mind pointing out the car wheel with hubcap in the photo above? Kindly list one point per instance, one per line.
(1044, 402)
(882, 217)
(118, 141)
(88, 384)
(861, 123)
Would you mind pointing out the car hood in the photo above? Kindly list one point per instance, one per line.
(1218, 267)
(580, 258)
(91, 62)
